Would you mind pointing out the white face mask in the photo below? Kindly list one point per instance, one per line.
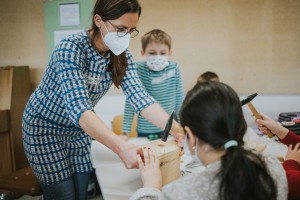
(187, 152)
(157, 62)
(196, 157)
(186, 149)
(115, 43)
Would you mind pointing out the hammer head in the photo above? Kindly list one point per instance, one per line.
(167, 128)
(248, 99)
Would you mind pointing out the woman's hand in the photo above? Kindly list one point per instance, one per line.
(150, 169)
(293, 154)
(268, 123)
(178, 133)
(98, 130)
(127, 153)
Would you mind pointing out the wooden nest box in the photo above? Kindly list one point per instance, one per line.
(168, 155)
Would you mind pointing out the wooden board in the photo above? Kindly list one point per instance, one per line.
(15, 91)
(6, 150)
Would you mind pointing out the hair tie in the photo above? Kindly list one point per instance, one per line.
(230, 143)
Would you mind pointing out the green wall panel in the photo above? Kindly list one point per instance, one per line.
(52, 19)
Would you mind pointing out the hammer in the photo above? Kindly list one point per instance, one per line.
(254, 111)
(165, 135)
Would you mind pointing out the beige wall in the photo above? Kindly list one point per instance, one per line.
(254, 45)
(22, 36)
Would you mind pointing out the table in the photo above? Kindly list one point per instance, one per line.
(118, 183)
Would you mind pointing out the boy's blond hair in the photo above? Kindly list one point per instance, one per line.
(156, 35)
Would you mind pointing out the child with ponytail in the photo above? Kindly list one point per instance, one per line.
(212, 117)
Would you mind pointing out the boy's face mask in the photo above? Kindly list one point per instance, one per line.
(157, 62)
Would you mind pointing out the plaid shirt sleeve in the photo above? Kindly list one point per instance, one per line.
(69, 59)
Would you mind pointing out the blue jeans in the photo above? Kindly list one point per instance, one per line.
(71, 189)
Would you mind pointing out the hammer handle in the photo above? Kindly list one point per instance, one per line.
(257, 116)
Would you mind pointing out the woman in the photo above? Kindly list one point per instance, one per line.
(59, 122)
(212, 117)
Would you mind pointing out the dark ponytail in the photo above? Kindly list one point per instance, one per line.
(110, 10)
(244, 175)
(213, 112)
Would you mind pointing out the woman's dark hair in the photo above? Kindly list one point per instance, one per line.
(212, 110)
(110, 10)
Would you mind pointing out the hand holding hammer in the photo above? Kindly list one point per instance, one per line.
(254, 111)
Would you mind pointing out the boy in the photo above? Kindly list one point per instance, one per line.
(162, 80)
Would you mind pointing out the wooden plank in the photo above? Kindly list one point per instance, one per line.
(15, 91)
(22, 181)
(19, 98)
(5, 87)
(4, 126)
(6, 159)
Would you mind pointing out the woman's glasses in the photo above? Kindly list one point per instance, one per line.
(121, 32)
